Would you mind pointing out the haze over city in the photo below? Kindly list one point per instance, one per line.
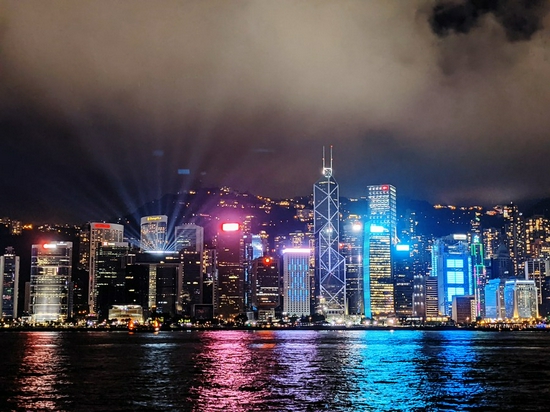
(102, 102)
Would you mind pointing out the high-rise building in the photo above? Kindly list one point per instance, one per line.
(230, 284)
(492, 239)
(51, 266)
(494, 299)
(479, 274)
(110, 260)
(425, 299)
(380, 236)
(153, 233)
(296, 281)
(403, 275)
(9, 283)
(330, 281)
(520, 299)
(451, 264)
(265, 286)
(352, 250)
(514, 226)
(537, 235)
(192, 281)
(164, 281)
(189, 237)
(98, 234)
(538, 270)
(464, 309)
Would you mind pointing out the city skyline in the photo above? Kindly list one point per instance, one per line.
(106, 106)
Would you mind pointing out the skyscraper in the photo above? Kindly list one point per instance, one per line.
(265, 286)
(9, 281)
(479, 275)
(153, 233)
(99, 233)
(330, 282)
(451, 264)
(538, 270)
(110, 260)
(230, 283)
(520, 298)
(403, 276)
(296, 281)
(515, 237)
(189, 237)
(380, 236)
(50, 282)
(352, 250)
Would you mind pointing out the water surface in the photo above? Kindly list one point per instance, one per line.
(275, 370)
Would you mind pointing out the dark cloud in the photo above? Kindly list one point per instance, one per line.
(520, 19)
(246, 93)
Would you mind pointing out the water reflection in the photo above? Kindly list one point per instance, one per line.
(227, 373)
(42, 374)
(446, 368)
(275, 370)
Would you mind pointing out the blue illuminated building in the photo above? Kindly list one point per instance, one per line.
(451, 264)
(296, 281)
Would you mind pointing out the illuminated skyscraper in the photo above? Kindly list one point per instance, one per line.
(494, 299)
(330, 281)
(110, 260)
(520, 299)
(99, 233)
(265, 286)
(515, 237)
(492, 239)
(479, 275)
(538, 270)
(380, 236)
(192, 280)
(9, 281)
(50, 282)
(296, 281)
(451, 264)
(230, 285)
(403, 276)
(352, 250)
(537, 235)
(153, 233)
(189, 237)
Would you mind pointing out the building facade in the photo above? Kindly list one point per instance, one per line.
(520, 299)
(99, 233)
(9, 283)
(189, 237)
(296, 281)
(154, 233)
(330, 281)
(230, 282)
(50, 284)
(380, 236)
(451, 264)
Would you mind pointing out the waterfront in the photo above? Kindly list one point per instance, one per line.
(275, 370)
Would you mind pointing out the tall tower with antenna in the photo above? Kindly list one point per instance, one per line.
(330, 282)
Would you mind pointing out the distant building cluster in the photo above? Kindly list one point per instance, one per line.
(368, 266)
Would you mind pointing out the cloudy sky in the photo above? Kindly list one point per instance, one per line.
(101, 102)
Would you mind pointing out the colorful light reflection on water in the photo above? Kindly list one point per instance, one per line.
(275, 370)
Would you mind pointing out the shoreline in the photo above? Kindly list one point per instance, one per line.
(300, 328)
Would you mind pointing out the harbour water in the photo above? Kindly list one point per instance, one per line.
(292, 370)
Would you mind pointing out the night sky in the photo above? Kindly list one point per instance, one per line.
(101, 102)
